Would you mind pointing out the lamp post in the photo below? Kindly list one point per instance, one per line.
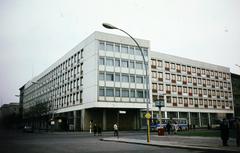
(109, 26)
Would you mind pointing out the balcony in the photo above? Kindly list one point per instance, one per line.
(173, 81)
(160, 79)
(153, 66)
(175, 104)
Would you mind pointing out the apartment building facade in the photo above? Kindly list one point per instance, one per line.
(102, 81)
(91, 84)
(198, 91)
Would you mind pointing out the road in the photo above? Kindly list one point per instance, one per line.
(81, 142)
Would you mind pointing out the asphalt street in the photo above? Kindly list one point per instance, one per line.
(81, 142)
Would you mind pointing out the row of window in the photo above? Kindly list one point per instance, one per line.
(72, 99)
(190, 79)
(121, 92)
(184, 68)
(114, 47)
(196, 101)
(121, 77)
(117, 62)
(190, 90)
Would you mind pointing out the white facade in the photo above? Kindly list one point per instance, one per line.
(107, 71)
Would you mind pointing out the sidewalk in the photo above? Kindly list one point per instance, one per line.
(197, 143)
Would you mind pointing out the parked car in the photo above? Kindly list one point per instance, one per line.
(27, 129)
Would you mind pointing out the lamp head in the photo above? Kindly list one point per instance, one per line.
(109, 26)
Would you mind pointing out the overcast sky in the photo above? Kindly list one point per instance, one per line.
(35, 33)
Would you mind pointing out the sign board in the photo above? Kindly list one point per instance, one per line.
(148, 115)
(122, 112)
(159, 103)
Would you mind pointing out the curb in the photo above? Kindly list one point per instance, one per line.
(135, 141)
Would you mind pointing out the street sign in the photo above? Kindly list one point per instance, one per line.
(148, 115)
(159, 103)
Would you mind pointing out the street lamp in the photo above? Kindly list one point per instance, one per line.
(109, 26)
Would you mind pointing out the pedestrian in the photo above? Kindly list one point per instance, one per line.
(224, 127)
(237, 127)
(115, 128)
(168, 127)
(175, 128)
(95, 129)
(99, 130)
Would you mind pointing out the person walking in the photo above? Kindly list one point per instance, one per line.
(115, 128)
(175, 127)
(237, 127)
(224, 127)
(168, 127)
(95, 129)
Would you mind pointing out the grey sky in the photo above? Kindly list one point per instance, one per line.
(34, 33)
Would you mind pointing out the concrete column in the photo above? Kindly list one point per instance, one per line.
(74, 120)
(200, 120)
(104, 120)
(166, 114)
(82, 119)
(209, 119)
(178, 115)
(189, 118)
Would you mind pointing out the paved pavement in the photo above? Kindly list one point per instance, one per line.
(186, 142)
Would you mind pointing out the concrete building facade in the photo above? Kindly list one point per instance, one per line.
(93, 82)
(102, 81)
(198, 91)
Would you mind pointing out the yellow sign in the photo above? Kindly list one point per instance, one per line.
(148, 115)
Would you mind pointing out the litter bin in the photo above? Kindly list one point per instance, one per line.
(160, 131)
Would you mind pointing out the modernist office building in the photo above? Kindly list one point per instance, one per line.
(105, 74)
(198, 91)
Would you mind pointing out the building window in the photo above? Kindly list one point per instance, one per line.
(159, 63)
(139, 93)
(124, 63)
(172, 66)
(125, 78)
(132, 79)
(101, 46)
(117, 62)
(109, 46)
(117, 77)
(109, 77)
(109, 62)
(124, 49)
(183, 68)
(139, 79)
(180, 101)
(101, 76)
(154, 74)
(131, 50)
(117, 48)
(139, 65)
(132, 64)
(101, 61)
(179, 78)
(193, 70)
(109, 92)
(125, 93)
(167, 76)
(132, 93)
(117, 92)
(160, 87)
(101, 91)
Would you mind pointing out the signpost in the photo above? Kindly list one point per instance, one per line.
(148, 116)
